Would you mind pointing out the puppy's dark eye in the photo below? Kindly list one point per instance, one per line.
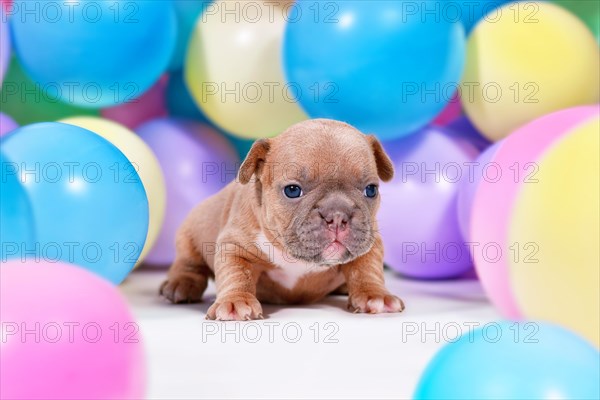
(371, 191)
(292, 191)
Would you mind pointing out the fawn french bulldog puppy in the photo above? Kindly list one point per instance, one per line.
(298, 223)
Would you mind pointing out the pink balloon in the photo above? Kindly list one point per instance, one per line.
(66, 334)
(6, 4)
(452, 111)
(148, 106)
(492, 207)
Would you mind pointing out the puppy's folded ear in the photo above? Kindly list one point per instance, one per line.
(254, 161)
(385, 167)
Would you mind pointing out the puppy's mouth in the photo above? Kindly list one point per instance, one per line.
(327, 248)
(335, 253)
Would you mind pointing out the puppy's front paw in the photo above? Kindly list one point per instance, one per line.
(374, 302)
(235, 307)
(183, 289)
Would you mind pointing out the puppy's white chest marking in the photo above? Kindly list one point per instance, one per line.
(288, 270)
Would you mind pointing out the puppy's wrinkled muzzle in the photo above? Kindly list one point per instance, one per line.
(336, 213)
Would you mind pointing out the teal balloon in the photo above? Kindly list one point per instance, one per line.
(188, 12)
(241, 145)
(373, 64)
(513, 360)
(587, 10)
(16, 216)
(89, 204)
(179, 101)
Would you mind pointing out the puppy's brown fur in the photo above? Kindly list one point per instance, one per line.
(261, 245)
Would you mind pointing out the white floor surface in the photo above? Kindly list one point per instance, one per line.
(316, 351)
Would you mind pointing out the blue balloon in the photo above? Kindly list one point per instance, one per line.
(94, 53)
(187, 12)
(513, 360)
(89, 205)
(472, 12)
(386, 67)
(16, 217)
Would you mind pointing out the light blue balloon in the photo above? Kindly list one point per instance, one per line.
(386, 67)
(94, 53)
(16, 217)
(513, 360)
(187, 12)
(89, 205)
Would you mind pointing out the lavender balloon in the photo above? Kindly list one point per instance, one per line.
(4, 45)
(7, 124)
(483, 168)
(418, 219)
(197, 162)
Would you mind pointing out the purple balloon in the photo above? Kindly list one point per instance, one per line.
(418, 219)
(463, 128)
(7, 124)
(468, 187)
(4, 44)
(197, 162)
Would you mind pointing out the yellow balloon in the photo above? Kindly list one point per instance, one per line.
(524, 61)
(234, 71)
(142, 157)
(556, 229)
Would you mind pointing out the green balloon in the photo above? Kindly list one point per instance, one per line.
(587, 10)
(28, 102)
